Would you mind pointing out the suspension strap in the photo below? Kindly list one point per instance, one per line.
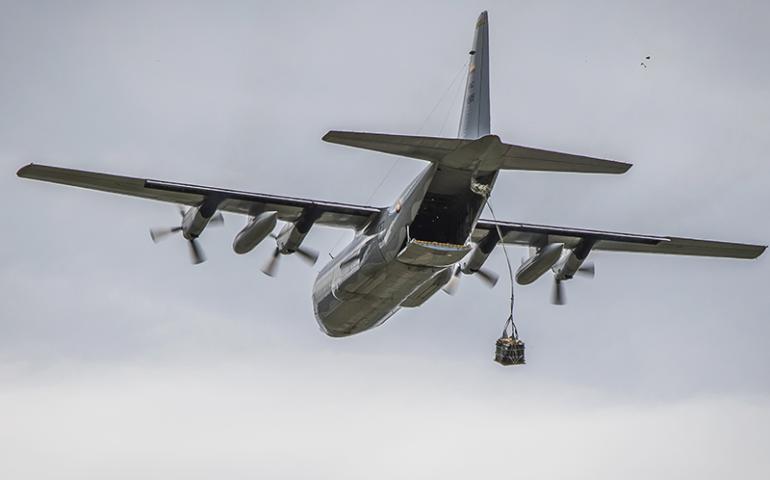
(485, 191)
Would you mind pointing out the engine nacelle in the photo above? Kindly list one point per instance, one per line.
(292, 235)
(254, 232)
(572, 262)
(539, 263)
(195, 220)
(479, 254)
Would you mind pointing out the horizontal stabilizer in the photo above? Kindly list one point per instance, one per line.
(487, 153)
(432, 149)
(526, 158)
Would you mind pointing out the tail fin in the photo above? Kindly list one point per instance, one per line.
(474, 120)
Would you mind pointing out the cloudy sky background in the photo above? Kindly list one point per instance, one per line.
(119, 359)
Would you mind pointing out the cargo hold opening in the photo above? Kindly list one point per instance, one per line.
(446, 218)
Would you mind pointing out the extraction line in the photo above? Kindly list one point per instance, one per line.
(514, 330)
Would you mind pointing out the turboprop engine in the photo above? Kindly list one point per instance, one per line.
(573, 263)
(539, 263)
(254, 232)
(474, 262)
(194, 221)
(289, 240)
(473, 265)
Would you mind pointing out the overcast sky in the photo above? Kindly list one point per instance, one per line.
(119, 359)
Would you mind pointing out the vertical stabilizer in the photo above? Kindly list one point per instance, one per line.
(474, 120)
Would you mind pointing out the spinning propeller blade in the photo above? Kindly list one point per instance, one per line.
(558, 297)
(196, 253)
(557, 294)
(588, 269)
(271, 267)
(488, 277)
(307, 254)
(453, 284)
(158, 234)
(217, 219)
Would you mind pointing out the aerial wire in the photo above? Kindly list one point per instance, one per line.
(398, 159)
(449, 110)
(420, 130)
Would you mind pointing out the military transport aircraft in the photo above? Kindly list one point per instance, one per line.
(403, 254)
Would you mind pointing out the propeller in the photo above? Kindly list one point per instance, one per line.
(488, 277)
(307, 254)
(271, 267)
(557, 294)
(453, 284)
(158, 234)
(588, 269)
(196, 253)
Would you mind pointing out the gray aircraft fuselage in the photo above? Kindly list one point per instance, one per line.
(411, 250)
(404, 257)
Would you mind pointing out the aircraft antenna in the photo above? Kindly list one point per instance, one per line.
(456, 99)
(443, 96)
(457, 76)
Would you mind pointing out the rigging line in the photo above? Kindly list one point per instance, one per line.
(393, 164)
(515, 331)
(419, 131)
(456, 77)
(449, 110)
(398, 159)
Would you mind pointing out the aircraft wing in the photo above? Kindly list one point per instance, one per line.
(534, 235)
(289, 208)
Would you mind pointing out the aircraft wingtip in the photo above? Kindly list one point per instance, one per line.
(22, 172)
(752, 252)
(328, 136)
(618, 168)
